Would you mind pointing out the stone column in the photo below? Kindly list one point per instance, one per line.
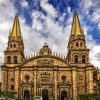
(89, 77)
(4, 79)
(74, 83)
(55, 83)
(35, 68)
(16, 85)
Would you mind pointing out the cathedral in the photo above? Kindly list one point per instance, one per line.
(47, 74)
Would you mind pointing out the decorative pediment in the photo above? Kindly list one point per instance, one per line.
(46, 57)
(45, 60)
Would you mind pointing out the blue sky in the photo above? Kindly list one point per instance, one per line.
(50, 21)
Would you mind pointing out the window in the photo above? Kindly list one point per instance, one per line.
(27, 77)
(83, 59)
(14, 45)
(77, 44)
(15, 59)
(76, 59)
(10, 45)
(9, 59)
(12, 79)
(63, 78)
(12, 87)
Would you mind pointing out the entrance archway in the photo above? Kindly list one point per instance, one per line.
(64, 95)
(26, 94)
(45, 94)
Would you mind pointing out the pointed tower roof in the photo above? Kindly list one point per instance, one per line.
(76, 28)
(16, 31)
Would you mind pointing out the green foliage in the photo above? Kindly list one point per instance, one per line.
(8, 94)
(92, 96)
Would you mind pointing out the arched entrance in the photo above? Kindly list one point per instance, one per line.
(26, 94)
(64, 95)
(45, 94)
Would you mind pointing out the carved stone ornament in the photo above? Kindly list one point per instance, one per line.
(45, 50)
(45, 77)
(45, 61)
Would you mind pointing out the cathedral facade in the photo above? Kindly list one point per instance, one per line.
(47, 74)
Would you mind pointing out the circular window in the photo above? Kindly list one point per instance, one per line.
(63, 77)
(27, 77)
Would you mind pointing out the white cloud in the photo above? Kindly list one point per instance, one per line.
(24, 3)
(48, 8)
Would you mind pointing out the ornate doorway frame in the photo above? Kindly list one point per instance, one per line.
(26, 86)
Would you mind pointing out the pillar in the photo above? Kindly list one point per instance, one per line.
(74, 83)
(55, 83)
(35, 68)
(89, 79)
(4, 79)
(16, 85)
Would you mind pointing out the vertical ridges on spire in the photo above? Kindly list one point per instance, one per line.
(76, 27)
(16, 31)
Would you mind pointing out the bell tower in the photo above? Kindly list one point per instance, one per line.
(77, 49)
(14, 54)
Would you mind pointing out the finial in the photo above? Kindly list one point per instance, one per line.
(54, 53)
(45, 43)
(75, 11)
(59, 55)
(34, 54)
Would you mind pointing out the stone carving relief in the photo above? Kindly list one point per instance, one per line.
(80, 77)
(45, 77)
(45, 50)
(45, 61)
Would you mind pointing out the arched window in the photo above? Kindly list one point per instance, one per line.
(15, 59)
(76, 58)
(14, 45)
(10, 45)
(83, 59)
(77, 44)
(8, 59)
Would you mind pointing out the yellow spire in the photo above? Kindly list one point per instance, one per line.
(16, 31)
(76, 28)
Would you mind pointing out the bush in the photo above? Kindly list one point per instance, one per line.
(92, 96)
(8, 94)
